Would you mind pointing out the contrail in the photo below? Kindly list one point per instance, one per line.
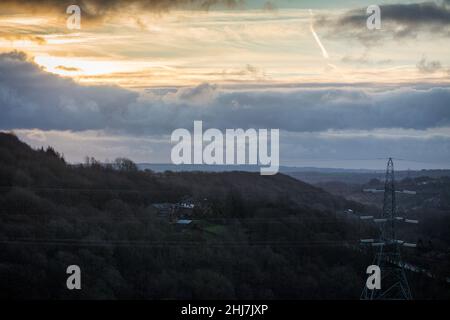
(319, 43)
(322, 48)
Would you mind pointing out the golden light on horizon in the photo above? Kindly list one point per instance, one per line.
(89, 67)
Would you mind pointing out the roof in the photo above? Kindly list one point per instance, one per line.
(162, 205)
(186, 205)
(184, 221)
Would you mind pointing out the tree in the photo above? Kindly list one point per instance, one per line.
(124, 164)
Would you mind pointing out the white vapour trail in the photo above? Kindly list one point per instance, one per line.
(322, 48)
(316, 37)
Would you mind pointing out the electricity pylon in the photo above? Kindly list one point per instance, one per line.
(394, 284)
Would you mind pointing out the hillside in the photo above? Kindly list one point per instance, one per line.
(45, 171)
(250, 236)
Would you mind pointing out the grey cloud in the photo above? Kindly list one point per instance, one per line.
(33, 98)
(364, 59)
(69, 69)
(22, 36)
(201, 94)
(425, 66)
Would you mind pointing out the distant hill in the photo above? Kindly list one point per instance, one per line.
(311, 175)
(361, 176)
(161, 167)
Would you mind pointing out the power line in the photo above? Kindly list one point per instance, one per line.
(292, 219)
(180, 243)
(149, 190)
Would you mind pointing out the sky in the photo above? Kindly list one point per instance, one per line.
(341, 94)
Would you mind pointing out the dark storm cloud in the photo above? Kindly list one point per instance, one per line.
(30, 97)
(414, 14)
(98, 9)
(33, 98)
(397, 21)
(319, 110)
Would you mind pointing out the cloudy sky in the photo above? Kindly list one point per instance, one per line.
(342, 95)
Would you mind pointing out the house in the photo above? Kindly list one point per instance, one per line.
(176, 211)
(164, 209)
(185, 208)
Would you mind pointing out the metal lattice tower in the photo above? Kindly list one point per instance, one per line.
(394, 284)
